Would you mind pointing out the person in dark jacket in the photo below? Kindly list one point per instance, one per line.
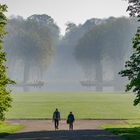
(56, 118)
(70, 120)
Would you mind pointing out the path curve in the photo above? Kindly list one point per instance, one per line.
(83, 130)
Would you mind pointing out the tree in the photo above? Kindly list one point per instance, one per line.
(107, 41)
(134, 8)
(132, 66)
(5, 98)
(38, 34)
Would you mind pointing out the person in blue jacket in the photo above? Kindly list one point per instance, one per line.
(56, 118)
(70, 120)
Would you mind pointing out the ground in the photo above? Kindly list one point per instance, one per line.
(83, 130)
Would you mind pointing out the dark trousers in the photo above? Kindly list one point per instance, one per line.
(70, 126)
(56, 123)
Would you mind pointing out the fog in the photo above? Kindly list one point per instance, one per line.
(87, 58)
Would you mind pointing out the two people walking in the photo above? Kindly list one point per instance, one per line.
(56, 119)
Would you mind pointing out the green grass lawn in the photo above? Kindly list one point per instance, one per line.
(6, 129)
(83, 105)
(130, 131)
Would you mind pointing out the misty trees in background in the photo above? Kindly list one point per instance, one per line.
(97, 46)
(106, 40)
(33, 42)
(96, 42)
(5, 98)
(65, 60)
(89, 58)
(72, 36)
(119, 37)
(132, 66)
(75, 32)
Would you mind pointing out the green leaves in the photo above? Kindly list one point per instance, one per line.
(5, 99)
(132, 71)
(134, 8)
(3, 8)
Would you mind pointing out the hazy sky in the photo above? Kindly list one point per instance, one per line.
(77, 11)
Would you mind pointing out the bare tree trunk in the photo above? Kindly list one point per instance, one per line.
(26, 75)
(41, 73)
(118, 80)
(26, 72)
(11, 66)
(99, 75)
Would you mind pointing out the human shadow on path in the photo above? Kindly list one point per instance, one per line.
(64, 135)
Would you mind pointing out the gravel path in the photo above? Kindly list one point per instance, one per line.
(44, 130)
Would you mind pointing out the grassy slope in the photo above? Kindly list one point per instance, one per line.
(84, 105)
(130, 131)
(6, 129)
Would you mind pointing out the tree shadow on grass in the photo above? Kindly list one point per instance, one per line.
(127, 133)
(64, 135)
(3, 134)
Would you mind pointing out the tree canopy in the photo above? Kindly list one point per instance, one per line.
(108, 39)
(32, 41)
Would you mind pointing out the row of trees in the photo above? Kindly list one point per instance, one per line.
(31, 46)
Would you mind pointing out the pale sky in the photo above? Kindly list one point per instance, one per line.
(62, 11)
